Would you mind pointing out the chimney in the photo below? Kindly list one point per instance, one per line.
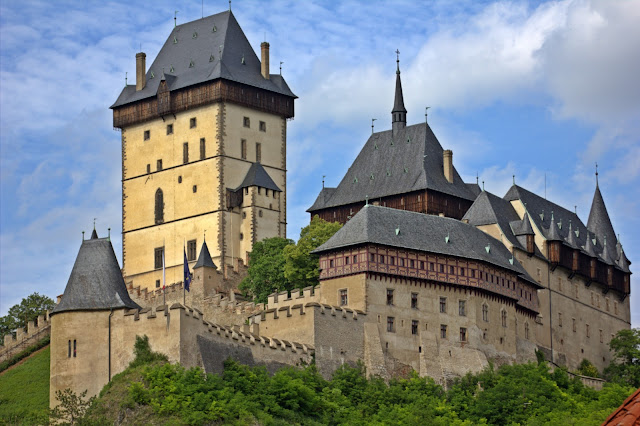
(264, 47)
(447, 160)
(141, 71)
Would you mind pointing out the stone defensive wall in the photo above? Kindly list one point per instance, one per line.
(336, 333)
(294, 297)
(25, 337)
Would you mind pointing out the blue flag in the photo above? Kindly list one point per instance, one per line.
(187, 274)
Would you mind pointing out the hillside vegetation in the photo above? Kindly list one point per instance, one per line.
(24, 391)
(163, 393)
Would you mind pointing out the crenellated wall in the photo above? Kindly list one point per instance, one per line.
(35, 331)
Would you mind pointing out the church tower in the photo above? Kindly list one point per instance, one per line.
(204, 134)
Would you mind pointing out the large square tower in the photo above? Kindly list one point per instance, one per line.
(204, 134)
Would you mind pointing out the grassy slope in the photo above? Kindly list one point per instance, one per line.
(24, 390)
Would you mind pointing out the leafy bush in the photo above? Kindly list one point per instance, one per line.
(144, 354)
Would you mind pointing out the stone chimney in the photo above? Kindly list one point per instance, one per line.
(141, 71)
(264, 47)
(447, 162)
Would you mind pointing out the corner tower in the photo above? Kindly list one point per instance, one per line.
(193, 126)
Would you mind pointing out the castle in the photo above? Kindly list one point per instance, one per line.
(428, 273)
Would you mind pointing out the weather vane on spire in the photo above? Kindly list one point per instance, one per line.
(372, 120)
(596, 173)
(398, 60)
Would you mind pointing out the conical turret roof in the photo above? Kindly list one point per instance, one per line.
(588, 246)
(571, 238)
(204, 259)
(96, 281)
(599, 222)
(622, 261)
(553, 234)
(606, 255)
(398, 101)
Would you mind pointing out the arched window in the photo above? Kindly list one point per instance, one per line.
(159, 210)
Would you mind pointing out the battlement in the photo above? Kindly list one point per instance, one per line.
(25, 337)
(287, 311)
(295, 297)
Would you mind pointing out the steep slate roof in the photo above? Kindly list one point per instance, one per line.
(489, 209)
(258, 176)
(409, 161)
(417, 231)
(541, 211)
(599, 222)
(322, 199)
(96, 281)
(195, 59)
(204, 259)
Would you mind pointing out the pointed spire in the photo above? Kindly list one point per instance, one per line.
(599, 223)
(399, 112)
(553, 233)
(526, 225)
(571, 238)
(622, 260)
(605, 255)
(204, 259)
(588, 246)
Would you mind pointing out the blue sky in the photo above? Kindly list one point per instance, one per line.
(524, 88)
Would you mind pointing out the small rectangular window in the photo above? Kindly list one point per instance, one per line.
(462, 271)
(462, 308)
(331, 263)
(485, 312)
(443, 305)
(414, 327)
(389, 297)
(355, 257)
(69, 353)
(346, 260)
(157, 257)
(422, 265)
(431, 266)
(159, 165)
(203, 149)
(246, 122)
(243, 149)
(588, 335)
(258, 152)
(392, 260)
(343, 297)
(191, 250)
(391, 324)
(192, 122)
(574, 324)
(169, 129)
(263, 126)
(372, 257)
(441, 268)
(463, 334)
(75, 348)
(157, 283)
(559, 319)
(443, 331)
(451, 270)
(147, 135)
(382, 259)
(414, 300)
(185, 153)
(473, 273)
(148, 168)
(412, 263)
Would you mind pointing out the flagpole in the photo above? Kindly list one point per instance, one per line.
(164, 292)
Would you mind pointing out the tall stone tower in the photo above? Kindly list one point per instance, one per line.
(204, 137)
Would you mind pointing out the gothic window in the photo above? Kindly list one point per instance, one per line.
(191, 250)
(443, 305)
(159, 210)
(243, 149)
(391, 324)
(443, 331)
(343, 297)
(485, 312)
(157, 257)
(203, 152)
(390, 297)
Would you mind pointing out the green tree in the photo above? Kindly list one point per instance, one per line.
(625, 365)
(301, 266)
(266, 269)
(27, 310)
(71, 407)
(586, 368)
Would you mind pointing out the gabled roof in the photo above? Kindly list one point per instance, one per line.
(427, 233)
(191, 55)
(258, 176)
(204, 259)
(599, 222)
(391, 164)
(96, 281)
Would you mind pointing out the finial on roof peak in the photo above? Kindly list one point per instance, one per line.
(596, 174)
(514, 179)
(175, 18)
(398, 61)
(82, 235)
(372, 120)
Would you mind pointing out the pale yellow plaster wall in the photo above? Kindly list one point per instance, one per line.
(355, 285)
